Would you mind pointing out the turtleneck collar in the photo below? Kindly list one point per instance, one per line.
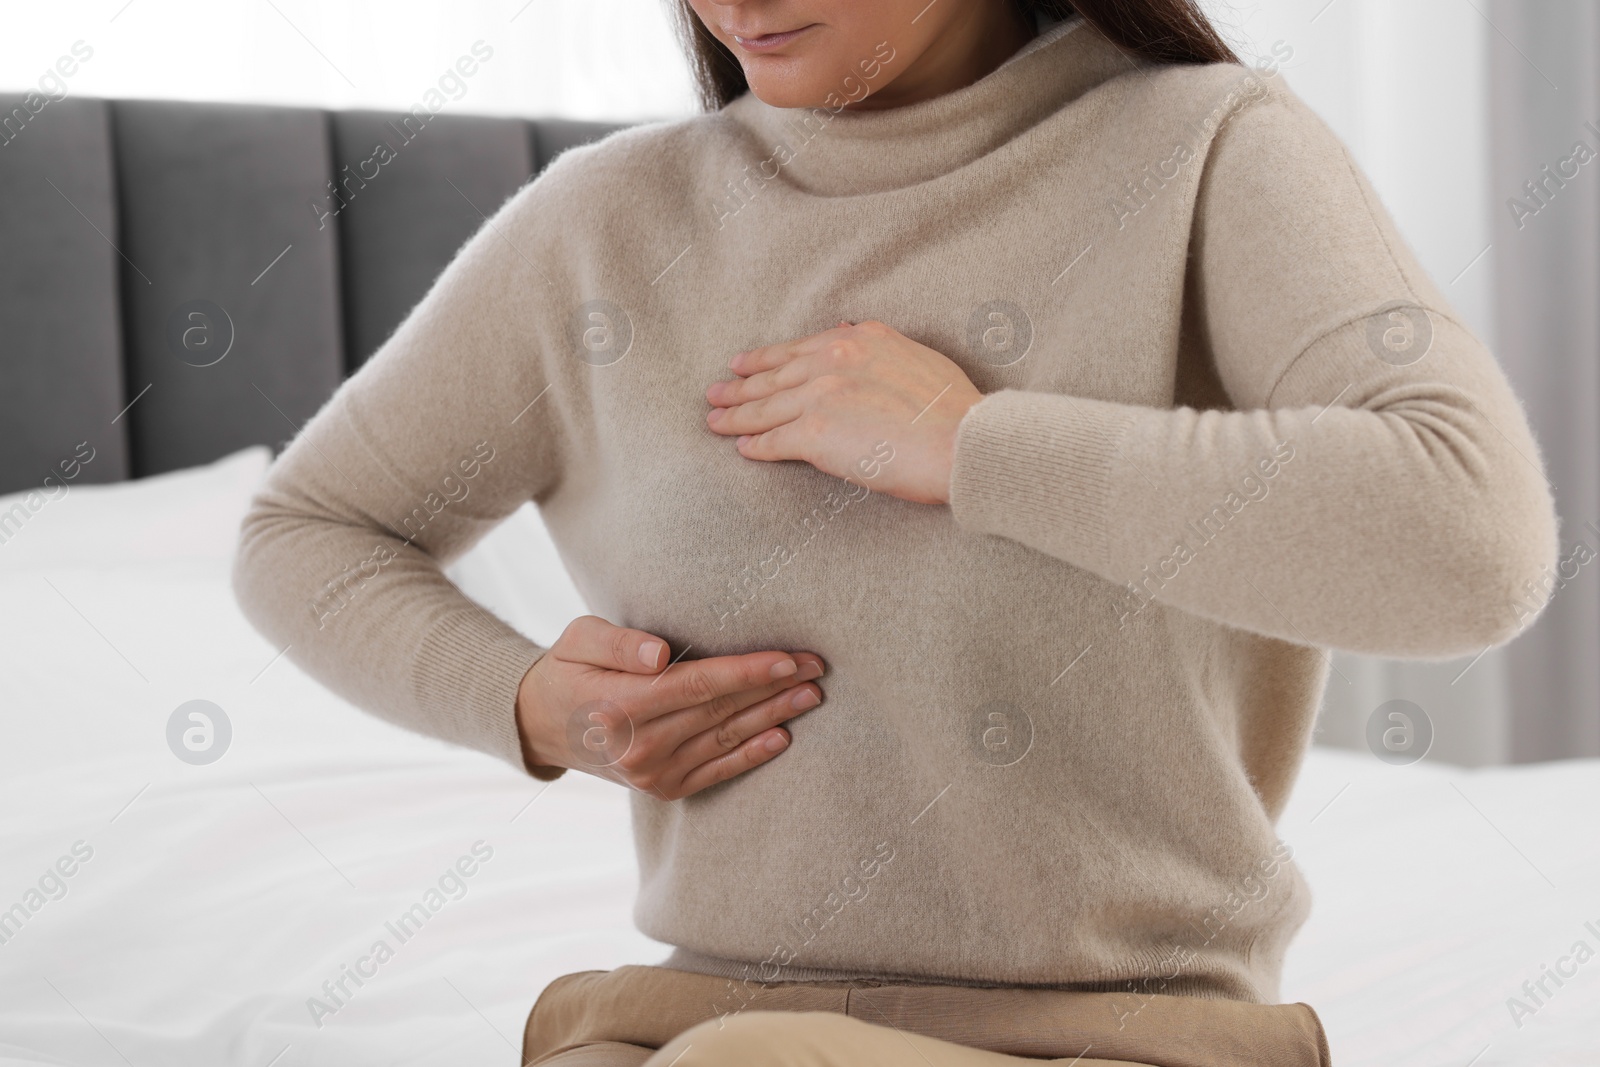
(848, 152)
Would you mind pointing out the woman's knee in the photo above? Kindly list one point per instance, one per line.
(757, 1039)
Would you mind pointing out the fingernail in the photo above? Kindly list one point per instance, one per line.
(743, 438)
(650, 653)
(783, 668)
(776, 742)
(804, 699)
(808, 671)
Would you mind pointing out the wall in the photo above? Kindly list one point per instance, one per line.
(583, 59)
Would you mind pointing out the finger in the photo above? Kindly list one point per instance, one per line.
(770, 357)
(699, 681)
(788, 441)
(725, 394)
(767, 357)
(592, 640)
(808, 665)
(753, 753)
(758, 416)
(728, 735)
(660, 736)
(671, 730)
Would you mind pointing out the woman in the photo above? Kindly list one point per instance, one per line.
(1053, 377)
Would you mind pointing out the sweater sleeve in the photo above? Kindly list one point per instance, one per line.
(412, 460)
(1375, 486)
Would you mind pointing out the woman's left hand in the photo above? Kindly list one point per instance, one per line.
(832, 398)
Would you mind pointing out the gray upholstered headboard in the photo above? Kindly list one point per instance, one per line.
(140, 241)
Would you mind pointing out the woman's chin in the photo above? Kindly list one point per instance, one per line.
(778, 88)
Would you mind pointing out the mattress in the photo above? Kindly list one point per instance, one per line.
(215, 890)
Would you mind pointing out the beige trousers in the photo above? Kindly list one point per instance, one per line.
(657, 1017)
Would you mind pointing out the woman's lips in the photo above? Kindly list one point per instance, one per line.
(767, 42)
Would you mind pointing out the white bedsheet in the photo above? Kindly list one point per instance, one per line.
(219, 898)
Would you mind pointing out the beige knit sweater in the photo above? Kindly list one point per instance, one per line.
(1229, 424)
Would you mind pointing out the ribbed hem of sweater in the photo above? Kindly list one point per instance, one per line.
(474, 663)
(683, 959)
(1037, 468)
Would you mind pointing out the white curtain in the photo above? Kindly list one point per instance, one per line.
(1546, 103)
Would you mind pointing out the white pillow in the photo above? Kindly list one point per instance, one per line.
(187, 514)
(194, 514)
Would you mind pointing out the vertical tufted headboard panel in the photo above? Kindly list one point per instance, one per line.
(210, 193)
(400, 226)
(181, 280)
(61, 376)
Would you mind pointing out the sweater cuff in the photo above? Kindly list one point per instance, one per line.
(469, 667)
(1036, 468)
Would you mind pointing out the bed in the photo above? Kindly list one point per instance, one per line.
(215, 899)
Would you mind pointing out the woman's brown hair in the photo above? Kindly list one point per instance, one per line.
(1163, 31)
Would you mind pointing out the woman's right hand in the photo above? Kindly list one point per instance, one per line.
(604, 700)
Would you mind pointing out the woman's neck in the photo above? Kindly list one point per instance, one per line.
(852, 152)
(985, 36)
